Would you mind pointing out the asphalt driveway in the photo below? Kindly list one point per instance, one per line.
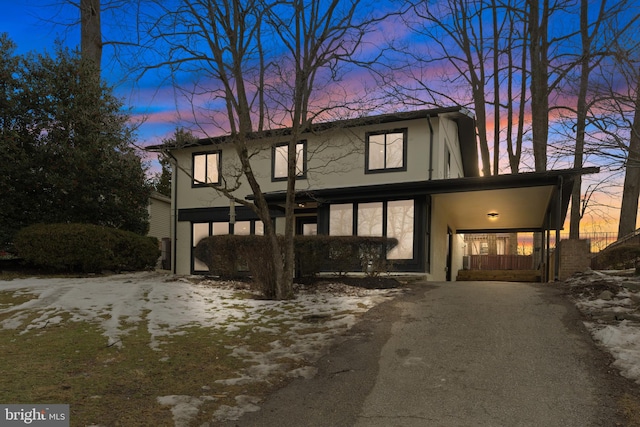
(456, 354)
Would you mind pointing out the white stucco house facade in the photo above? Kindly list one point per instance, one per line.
(412, 175)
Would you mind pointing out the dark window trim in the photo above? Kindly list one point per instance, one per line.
(421, 226)
(303, 175)
(195, 184)
(405, 138)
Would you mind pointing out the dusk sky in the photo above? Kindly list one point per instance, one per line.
(35, 26)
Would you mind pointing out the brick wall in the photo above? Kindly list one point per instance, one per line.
(575, 257)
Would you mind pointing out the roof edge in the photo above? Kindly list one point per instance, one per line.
(460, 112)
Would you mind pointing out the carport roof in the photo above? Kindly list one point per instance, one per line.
(520, 202)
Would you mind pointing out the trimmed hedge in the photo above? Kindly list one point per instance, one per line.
(231, 256)
(85, 248)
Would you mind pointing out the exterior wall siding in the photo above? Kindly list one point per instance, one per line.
(159, 217)
(336, 159)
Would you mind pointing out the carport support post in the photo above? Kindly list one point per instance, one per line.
(558, 225)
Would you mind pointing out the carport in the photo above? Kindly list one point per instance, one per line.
(527, 202)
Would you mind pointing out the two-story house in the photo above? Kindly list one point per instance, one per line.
(413, 176)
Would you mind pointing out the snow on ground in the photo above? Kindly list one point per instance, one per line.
(168, 304)
(611, 302)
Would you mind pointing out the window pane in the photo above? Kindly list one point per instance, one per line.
(280, 161)
(199, 168)
(199, 231)
(395, 150)
(370, 219)
(299, 159)
(242, 228)
(400, 226)
(376, 152)
(220, 228)
(259, 228)
(309, 229)
(212, 168)
(341, 220)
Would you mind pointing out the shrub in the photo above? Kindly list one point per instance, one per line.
(220, 255)
(619, 257)
(341, 254)
(85, 248)
(232, 256)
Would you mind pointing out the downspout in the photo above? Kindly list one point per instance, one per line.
(174, 201)
(430, 147)
(558, 214)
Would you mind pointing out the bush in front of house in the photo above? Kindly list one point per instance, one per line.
(85, 248)
(341, 254)
(220, 254)
(230, 256)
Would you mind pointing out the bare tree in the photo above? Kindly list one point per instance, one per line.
(455, 28)
(631, 188)
(263, 60)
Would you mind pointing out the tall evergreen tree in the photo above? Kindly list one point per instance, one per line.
(70, 145)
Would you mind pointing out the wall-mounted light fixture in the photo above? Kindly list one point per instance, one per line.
(493, 215)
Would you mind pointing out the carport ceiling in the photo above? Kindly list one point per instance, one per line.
(496, 210)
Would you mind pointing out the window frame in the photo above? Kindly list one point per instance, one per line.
(420, 262)
(274, 148)
(405, 138)
(199, 184)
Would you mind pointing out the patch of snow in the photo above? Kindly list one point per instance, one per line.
(615, 323)
(183, 408)
(623, 341)
(167, 305)
(244, 404)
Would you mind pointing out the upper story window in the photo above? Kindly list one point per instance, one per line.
(386, 151)
(280, 155)
(206, 168)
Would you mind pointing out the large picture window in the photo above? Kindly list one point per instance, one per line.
(206, 168)
(386, 151)
(394, 218)
(280, 156)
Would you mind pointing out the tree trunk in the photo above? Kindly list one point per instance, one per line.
(581, 122)
(90, 31)
(631, 189)
(539, 81)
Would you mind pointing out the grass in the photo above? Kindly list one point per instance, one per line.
(631, 408)
(71, 362)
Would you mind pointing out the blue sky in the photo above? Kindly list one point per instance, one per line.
(35, 26)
